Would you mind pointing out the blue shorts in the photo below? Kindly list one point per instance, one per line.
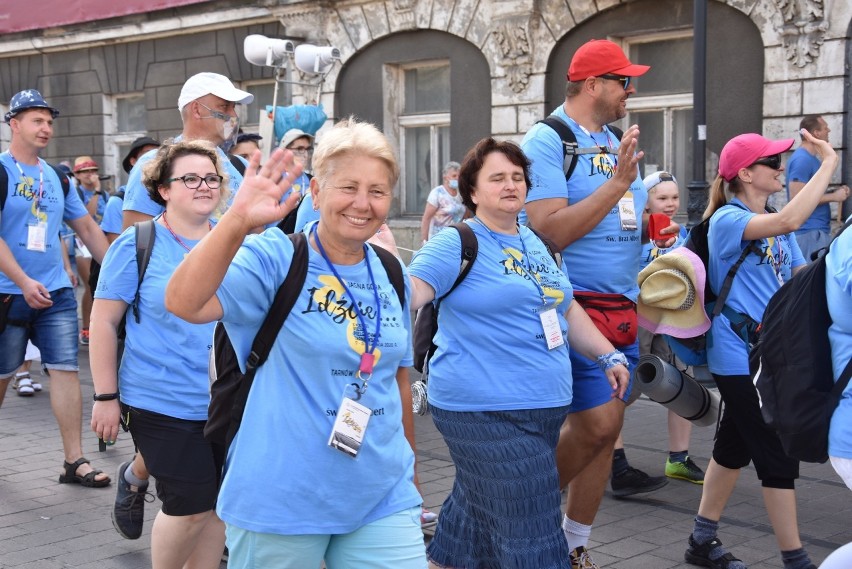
(591, 389)
(53, 331)
(392, 542)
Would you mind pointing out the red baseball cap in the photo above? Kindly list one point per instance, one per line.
(743, 150)
(599, 57)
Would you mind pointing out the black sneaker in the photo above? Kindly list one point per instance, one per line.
(128, 512)
(699, 554)
(634, 481)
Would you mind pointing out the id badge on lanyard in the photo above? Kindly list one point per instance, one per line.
(550, 326)
(627, 212)
(37, 235)
(350, 424)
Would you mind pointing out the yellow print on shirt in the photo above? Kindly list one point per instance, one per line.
(534, 269)
(602, 164)
(331, 299)
(24, 189)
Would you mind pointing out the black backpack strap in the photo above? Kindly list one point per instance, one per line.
(4, 186)
(552, 249)
(570, 147)
(469, 250)
(63, 179)
(285, 299)
(394, 270)
(145, 235)
(238, 163)
(752, 247)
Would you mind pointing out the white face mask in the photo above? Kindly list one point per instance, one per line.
(454, 184)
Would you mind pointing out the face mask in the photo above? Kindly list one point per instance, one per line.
(230, 128)
(454, 184)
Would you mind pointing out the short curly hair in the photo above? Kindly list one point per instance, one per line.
(161, 167)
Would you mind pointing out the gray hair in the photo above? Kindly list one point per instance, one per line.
(451, 165)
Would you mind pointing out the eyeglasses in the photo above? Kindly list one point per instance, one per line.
(773, 161)
(625, 81)
(302, 150)
(193, 182)
(217, 114)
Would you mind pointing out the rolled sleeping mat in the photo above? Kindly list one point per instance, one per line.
(666, 385)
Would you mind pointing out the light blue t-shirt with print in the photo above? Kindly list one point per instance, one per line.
(607, 258)
(112, 219)
(20, 211)
(754, 284)
(650, 251)
(136, 196)
(309, 487)
(491, 350)
(164, 367)
(801, 167)
(89, 195)
(838, 290)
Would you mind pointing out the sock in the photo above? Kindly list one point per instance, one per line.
(576, 534)
(678, 455)
(796, 559)
(619, 462)
(705, 530)
(22, 374)
(133, 480)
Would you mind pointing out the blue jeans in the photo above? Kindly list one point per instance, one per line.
(53, 330)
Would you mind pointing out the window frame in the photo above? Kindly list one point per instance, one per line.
(115, 139)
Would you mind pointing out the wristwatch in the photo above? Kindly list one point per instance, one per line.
(104, 397)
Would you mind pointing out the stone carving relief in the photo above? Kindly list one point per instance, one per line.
(804, 29)
(513, 40)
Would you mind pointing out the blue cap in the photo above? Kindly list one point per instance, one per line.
(28, 99)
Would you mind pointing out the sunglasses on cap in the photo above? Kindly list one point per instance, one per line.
(773, 161)
(625, 81)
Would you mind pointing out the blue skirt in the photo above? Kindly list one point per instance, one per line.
(504, 510)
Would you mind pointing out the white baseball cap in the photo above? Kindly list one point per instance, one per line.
(207, 83)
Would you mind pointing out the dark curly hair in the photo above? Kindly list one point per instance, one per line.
(475, 158)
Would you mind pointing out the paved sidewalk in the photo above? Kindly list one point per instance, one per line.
(46, 525)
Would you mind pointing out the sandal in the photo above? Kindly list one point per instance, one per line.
(89, 480)
(23, 385)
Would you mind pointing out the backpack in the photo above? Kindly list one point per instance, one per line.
(4, 183)
(792, 367)
(229, 387)
(570, 145)
(693, 351)
(426, 321)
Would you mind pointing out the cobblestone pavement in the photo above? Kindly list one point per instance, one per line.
(46, 525)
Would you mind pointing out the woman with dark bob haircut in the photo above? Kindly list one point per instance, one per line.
(500, 379)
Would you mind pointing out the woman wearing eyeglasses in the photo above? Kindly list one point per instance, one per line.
(163, 376)
(750, 170)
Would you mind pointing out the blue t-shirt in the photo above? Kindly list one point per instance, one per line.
(838, 290)
(88, 195)
(306, 213)
(136, 194)
(801, 167)
(309, 487)
(607, 258)
(112, 219)
(164, 368)
(756, 281)
(491, 351)
(651, 251)
(20, 211)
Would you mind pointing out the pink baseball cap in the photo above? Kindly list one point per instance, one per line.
(743, 150)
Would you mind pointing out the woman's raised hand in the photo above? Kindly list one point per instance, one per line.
(259, 201)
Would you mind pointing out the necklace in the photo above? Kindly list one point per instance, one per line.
(175, 235)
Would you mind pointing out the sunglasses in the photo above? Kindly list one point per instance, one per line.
(625, 81)
(773, 161)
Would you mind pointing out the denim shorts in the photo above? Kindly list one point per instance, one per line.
(591, 388)
(53, 331)
(392, 542)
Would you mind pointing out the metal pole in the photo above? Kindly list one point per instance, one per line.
(698, 186)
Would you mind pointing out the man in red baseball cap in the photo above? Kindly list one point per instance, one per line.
(594, 212)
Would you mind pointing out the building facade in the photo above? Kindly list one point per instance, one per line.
(437, 75)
